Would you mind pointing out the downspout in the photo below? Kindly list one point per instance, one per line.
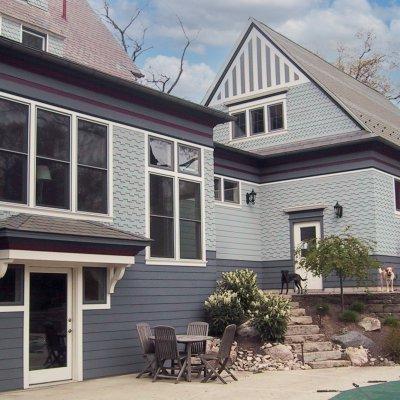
(64, 9)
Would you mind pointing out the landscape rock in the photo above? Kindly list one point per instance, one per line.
(370, 324)
(213, 347)
(353, 339)
(280, 352)
(357, 355)
(247, 330)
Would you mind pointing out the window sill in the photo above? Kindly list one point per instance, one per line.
(16, 308)
(258, 135)
(171, 262)
(227, 204)
(105, 306)
(52, 212)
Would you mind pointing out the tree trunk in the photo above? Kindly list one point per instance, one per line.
(341, 291)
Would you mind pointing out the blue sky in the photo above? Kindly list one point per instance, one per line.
(216, 24)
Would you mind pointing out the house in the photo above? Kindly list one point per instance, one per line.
(93, 165)
(307, 138)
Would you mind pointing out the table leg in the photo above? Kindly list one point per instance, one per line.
(189, 362)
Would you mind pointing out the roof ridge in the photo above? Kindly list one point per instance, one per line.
(320, 57)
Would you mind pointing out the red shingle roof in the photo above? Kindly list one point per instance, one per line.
(86, 39)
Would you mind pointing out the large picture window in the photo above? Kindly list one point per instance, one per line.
(14, 124)
(53, 159)
(175, 219)
(70, 169)
(92, 167)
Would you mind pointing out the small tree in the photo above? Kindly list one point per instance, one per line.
(344, 255)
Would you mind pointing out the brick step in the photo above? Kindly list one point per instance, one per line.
(302, 320)
(313, 346)
(302, 329)
(329, 364)
(313, 337)
(297, 312)
(322, 355)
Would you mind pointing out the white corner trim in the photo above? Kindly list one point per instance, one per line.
(305, 208)
(116, 274)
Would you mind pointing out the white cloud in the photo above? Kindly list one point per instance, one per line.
(194, 81)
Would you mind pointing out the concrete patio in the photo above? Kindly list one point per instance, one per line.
(296, 385)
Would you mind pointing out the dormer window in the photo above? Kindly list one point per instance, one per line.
(275, 117)
(239, 126)
(257, 121)
(33, 39)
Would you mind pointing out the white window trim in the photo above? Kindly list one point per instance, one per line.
(262, 103)
(176, 177)
(39, 33)
(72, 212)
(96, 306)
(224, 203)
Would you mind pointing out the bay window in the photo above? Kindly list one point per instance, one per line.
(175, 206)
(50, 159)
(14, 123)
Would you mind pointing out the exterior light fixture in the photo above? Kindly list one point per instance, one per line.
(338, 210)
(251, 197)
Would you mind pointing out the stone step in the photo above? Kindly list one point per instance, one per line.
(329, 364)
(302, 320)
(313, 337)
(302, 329)
(297, 312)
(313, 346)
(322, 356)
(294, 304)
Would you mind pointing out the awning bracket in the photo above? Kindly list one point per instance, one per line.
(116, 274)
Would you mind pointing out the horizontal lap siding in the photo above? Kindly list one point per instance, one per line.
(11, 351)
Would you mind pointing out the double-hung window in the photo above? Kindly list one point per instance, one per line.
(53, 161)
(175, 193)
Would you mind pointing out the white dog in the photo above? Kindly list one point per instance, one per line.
(387, 275)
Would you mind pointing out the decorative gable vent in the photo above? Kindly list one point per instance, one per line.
(257, 66)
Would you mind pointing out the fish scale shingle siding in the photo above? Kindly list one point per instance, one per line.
(43, 4)
(310, 114)
(10, 29)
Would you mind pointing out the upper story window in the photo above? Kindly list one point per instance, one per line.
(176, 201)
(226, 190)
(34, 39)
(397, 194)
(258, 120)
(58, 175)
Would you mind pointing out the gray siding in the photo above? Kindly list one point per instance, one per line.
(310, 114)
(11, 355)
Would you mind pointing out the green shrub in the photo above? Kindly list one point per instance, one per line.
(222, 309)
(322, 309)
(392, 344)
(271, 316)
(349, 316)
(392, 321)
(243, 282)
(357, 306)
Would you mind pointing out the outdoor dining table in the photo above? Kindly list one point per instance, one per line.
(189, 340)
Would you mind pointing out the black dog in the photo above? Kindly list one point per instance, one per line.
(287, 277)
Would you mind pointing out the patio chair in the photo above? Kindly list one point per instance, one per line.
(198, 328)
(166, 347)
(147, 345)
(215, 364)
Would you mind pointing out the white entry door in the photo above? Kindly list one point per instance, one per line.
(50, 325)
(302, 232)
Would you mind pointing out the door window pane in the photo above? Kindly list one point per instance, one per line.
(275, 113)
(190, 219)
(257, 121)
(231, 191)
(92, 190)
(53, 135)
(11, 286)
(189, 160)
(92, 167)
(13, 151)
(94, 285)
(217, 189)
(52, 183)
(162, 216)
(239, 126)
(161, 153)
(48, 321)
(306, 235)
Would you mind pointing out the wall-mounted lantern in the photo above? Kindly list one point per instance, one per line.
(251, 197)
(338, 210)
